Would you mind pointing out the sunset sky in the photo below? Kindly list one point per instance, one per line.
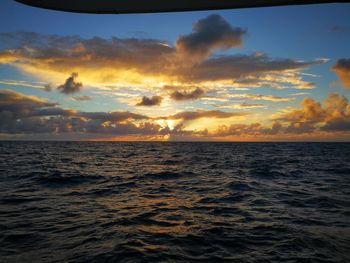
(263, 74)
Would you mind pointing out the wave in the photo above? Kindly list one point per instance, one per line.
(174, 202)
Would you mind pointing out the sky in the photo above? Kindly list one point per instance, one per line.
(260, 74)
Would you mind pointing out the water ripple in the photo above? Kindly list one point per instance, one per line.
(174, 202)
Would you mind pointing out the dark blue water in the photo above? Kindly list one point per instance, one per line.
(174, 202)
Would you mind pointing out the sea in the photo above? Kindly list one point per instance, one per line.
(174, 202)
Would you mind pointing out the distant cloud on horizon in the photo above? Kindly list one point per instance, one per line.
(23, 114)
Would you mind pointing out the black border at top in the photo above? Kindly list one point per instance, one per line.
(156, 6)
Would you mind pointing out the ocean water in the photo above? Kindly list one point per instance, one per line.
(174, 202)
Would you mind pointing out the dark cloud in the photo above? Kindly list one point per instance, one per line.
(337, 125)
(238, 66)
(153, 101)
(29, 114)
(118, 129)
(190, 95)
(86, 56)
(47, 88)
(19, 105)
(253, 129)
(193, 115)
(113, 116)
(20, 113)
(71, 85)
(209, 33)
(239, 129)
(342, 69)
(81, 98)
(23, 114)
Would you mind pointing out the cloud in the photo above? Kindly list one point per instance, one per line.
(25, 115)
(193, 115)
(332, 115)
(22, 83)
(312, 118)
(259, 97)
(191, 95)
(254, 129)
(284, 79)
(29, 114)
(18, 105)
(21, 113)
(113, 116)
(82, 98)
(300, 94)
(210, 33)
(244, 106)
(129, 62)
(257, 66)
(97, 59)
(153, 101)
(71, 85)
(337, 125)
(48, 88)
(342, 69)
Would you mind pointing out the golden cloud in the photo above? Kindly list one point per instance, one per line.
(151, 63)
(27, 115)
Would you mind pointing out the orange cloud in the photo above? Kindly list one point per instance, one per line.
(333, 115)
(28, 115)
(150, 62)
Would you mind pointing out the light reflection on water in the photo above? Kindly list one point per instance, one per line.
(165, 202)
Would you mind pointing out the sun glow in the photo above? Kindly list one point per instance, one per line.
(167, 123)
